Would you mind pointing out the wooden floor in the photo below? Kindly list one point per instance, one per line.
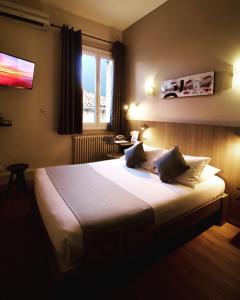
(203, 266)
(207, 267)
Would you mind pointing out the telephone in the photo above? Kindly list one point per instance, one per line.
(120, 137)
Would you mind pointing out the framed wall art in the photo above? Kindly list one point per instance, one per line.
(195, 85)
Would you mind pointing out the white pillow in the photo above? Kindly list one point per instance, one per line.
(150, 156)
(192, 176)
(208, 172)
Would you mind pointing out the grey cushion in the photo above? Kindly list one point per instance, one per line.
(170, 164)
(134, 155)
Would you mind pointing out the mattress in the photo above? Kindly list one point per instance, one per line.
(167, 200)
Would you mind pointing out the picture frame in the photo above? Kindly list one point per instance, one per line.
(194, 85)
(134, 135)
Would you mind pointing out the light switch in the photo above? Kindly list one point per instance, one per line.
(43, 111)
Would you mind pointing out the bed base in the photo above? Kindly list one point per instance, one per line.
(217, 208)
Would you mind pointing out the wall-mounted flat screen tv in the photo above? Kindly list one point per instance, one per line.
(16, 72)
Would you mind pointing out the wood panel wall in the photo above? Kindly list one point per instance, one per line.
(221, 143)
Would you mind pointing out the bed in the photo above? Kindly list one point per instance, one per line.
(168, 202)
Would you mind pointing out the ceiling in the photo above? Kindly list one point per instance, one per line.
(118, 14)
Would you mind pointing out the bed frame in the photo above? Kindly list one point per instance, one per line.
(216, 209)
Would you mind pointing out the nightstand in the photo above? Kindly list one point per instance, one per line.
(113, 155)
(121, 146)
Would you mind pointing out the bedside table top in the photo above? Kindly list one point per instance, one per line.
(120, 141)
(124, 143)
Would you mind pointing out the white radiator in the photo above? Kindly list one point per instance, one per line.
(90, 148)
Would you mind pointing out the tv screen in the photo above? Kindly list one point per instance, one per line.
(16, 72)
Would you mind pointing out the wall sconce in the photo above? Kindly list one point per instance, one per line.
(125, 107)
(146, 134)
(149, 87)
(236, 74)
(145, 131)
(133, 110)
(144, 127)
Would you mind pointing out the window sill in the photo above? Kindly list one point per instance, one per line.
(96, 132)
(95, 126)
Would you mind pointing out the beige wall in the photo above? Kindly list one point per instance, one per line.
(33, 138)
(180, 38)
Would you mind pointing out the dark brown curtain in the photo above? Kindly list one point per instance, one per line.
(71, 107)
(117, 120)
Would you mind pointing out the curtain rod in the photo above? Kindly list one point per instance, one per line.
(93, 37)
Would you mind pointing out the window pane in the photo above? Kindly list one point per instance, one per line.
(106, 75)
(89, 88)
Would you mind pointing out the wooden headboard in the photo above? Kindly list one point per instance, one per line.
(221, 143)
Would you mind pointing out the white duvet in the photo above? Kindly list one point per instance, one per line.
(167, 200)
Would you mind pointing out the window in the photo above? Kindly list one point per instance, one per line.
(97, 79)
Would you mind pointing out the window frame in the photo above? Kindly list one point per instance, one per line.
(98, 53)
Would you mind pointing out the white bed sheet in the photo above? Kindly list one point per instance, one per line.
(167, 200)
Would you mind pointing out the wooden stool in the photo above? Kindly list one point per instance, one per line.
(18, 170)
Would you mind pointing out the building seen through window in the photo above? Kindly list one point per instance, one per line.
(97, 79)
